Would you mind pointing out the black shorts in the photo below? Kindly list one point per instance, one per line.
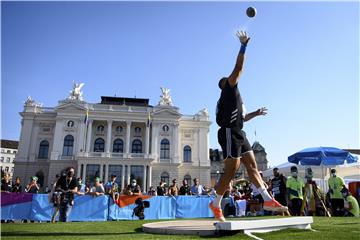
(233, 142)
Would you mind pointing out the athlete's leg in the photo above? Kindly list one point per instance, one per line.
(248, 159)
(270, 204)
(230, 167)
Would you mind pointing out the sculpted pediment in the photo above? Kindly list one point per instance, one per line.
(70, 106)
(170, 112)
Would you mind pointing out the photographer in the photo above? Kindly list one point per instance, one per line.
(32, 187)
(67, 185)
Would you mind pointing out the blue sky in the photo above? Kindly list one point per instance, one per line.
(302, 62)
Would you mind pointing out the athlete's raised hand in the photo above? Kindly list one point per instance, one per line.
(261, 111)
(243, 37)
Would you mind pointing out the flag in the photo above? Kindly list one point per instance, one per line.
(86, 120)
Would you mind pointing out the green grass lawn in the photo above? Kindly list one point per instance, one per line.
(326, 228)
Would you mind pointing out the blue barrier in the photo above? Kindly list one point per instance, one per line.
(193, 207)
(102, 208)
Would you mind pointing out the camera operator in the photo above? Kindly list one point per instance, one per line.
(67, 185)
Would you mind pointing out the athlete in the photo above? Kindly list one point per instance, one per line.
(230, 116)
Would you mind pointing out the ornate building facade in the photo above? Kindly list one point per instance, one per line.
(122, 136)
(9, 149)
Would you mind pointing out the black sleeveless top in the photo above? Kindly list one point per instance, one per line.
(229, 107)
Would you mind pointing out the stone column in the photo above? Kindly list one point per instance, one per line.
(108, 137)
(150, 176)
(128, 173)
(81, 137)
(88, 136)
(57, 143)
(127, 143)
(25, 138)
(176, 143)
(123, 176)
(101, 172)
(106, 167)
(84, 174)
(144, 188)
(154, 141)
(147, 140)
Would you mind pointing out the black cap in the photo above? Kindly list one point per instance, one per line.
(293, 169)
(275, 169)
(333, 170)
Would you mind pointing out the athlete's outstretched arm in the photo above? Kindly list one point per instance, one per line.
(234, 76)
(259, 112)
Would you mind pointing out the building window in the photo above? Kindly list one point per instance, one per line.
(68, 146)
(118, 146)
(6, 169)
(137, 172)
(136, 146)
(43, 149)
(116, 170)
(137, 130)
(14, 152)
(92, 171)
(2, 159)
(187, 153)
(100, 128)
(7, 159)
(165, 128)
(165, 178)
(165, 149)
(187, 177)
(99, 145)
(119, 129)
(8, 151)
(70, 124)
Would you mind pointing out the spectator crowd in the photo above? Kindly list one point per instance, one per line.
(302, 196)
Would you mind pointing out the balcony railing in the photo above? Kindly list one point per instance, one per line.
(117, 155)
(137, 155)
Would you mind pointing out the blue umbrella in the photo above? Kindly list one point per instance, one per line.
(327, 156)
(322, 156)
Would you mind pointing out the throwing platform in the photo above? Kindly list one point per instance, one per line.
(206, 227)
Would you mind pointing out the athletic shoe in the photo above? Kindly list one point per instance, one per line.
(217, 212)
(274, 206)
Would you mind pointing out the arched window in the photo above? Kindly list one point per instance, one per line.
(187, 153)
(165, 178)
(99, 145)
(43, 149)
(187, 177)
(118, 145)
(136, 146)
(165, 149)
(68, 146)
